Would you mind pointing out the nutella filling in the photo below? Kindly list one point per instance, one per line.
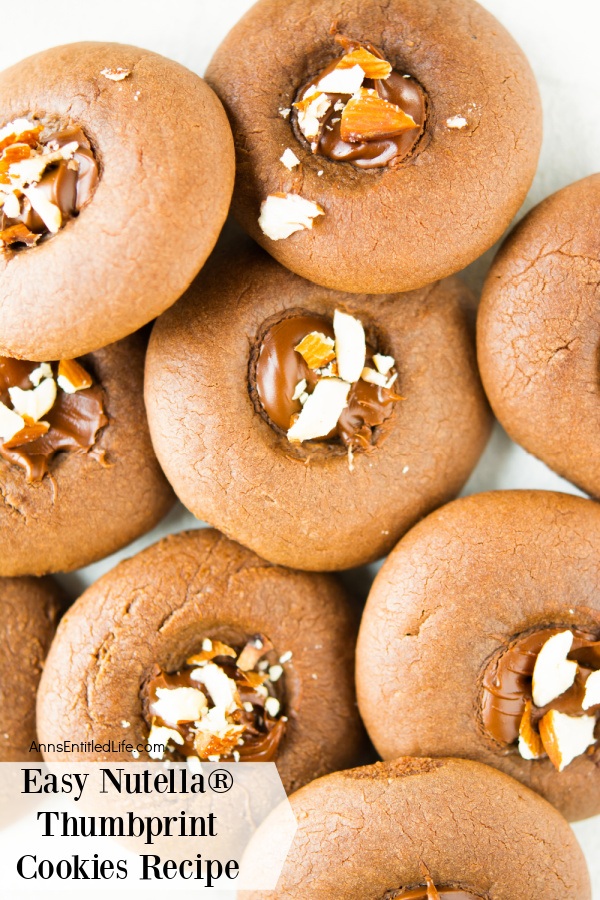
(508, 709)
(226, 703)
(286, 377)
(360, 110)
(45, 409)
(44, 181)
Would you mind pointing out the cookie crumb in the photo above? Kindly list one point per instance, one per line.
(456, 122)
(116, 74)
(289, 159)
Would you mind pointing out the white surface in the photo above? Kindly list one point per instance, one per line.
(561, 41)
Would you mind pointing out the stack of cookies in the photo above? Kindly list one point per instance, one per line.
(317, 386)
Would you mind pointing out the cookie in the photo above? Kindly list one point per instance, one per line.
(481, 639)
(313, 426)
(118, 168)
(539, 329)
(30, 609)
(214, 654)
(425, 829)
(379, 147)
(78, 476)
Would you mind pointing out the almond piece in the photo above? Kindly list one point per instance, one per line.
(44, 370)
(11, 423)
(592, 691)
(283, 214)
(181, 704)
(566, 737)
(367, 117)
(18, 234)
(216, 736)
(553, 673)
(372, 65)
(456, 122)
(383, 364)
(116, 74)
(20, 131)
(342, 81)
(310, 112)
(208, 652)
(289, 159)
(321, 412)
(72, 377)
(350, 346)
(159, 735)
(221, 688)
(373, 377)
(253, 651)
(48, 212)
(36, 402)
(316, 349)
(28, 434)
(299, 389)
(530, 743)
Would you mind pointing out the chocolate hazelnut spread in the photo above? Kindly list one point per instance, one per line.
(401, 90)
(249, 729)
(280, 368)
(39, 201)
(507, 683)
(73, 421)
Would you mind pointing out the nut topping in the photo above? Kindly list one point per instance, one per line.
(367, 117)
(321, 411)
(566, 737)
(283, 214)
(316, 349)
(553, 673)
(373, 66)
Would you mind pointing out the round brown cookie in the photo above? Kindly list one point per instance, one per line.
(164, 153)
(30, 609)
(66, 509)
(429, 210)
(453, 629)
(309, 505)
(160, 608)
(539, 331)
(405, 828)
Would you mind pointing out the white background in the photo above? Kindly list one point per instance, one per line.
(561, 40)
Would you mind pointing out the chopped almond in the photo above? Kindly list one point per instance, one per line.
(592, 691)
(311, 110)
(20, 131)
(383, 364)
(342, 81)
(27, 434)
(254, 650)
(316, 349)
(372, 65)
(299, 389)
(72, 377)
(212, 649)
(11, 423)
(283, 214)
(566, 737)
(373, 377)
(367, 117)
(181, 704)
(48, 212)
(350, 346)
(321, 412)
(36, 402)
(553, 673)
(116, 74)
(289, 159)
(160, 737)
(530, 743)
(18, 234)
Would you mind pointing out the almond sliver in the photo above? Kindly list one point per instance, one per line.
(373, 377)
(316, 349)
(566, 737)
(592, 691)
(372, 65)
(321, 412)
(11, 423)
(72, 377)
(367, 116)
(350, 346)
(553, 673)
(342, 81)
(530, 743)
(36, 402)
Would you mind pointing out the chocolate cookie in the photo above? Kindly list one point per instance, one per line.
(379, 146)
(116, 171)
(199, 645)
(78, 476)
(30, 609)
(539, 330)
(313, 426)
(428, 829)
(481, 639)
